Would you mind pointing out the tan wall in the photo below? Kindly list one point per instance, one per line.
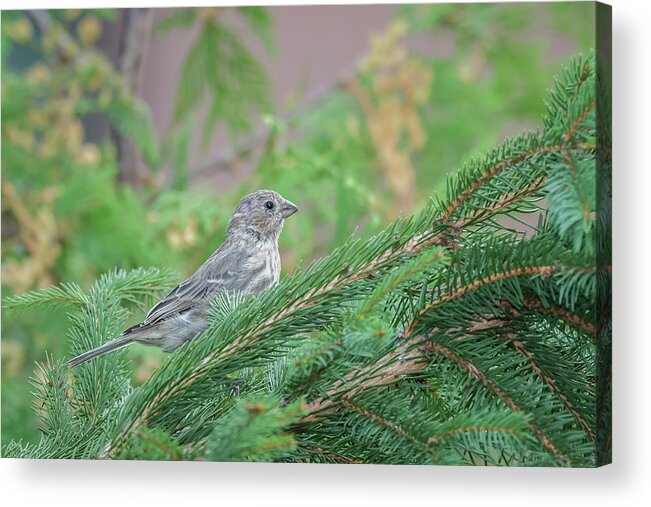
(315, 45)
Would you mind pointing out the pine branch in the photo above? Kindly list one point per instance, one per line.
(561, 314)
(447, 338)
(66, 294)
(553, 387)
(477, 374)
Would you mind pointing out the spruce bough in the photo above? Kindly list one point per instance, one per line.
(450, 338)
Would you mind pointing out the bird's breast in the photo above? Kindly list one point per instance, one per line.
(262, 269)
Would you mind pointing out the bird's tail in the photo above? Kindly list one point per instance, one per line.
(118, 343)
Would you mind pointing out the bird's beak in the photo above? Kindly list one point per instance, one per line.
(288, 209)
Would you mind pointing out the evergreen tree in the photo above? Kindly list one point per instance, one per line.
(453, 337)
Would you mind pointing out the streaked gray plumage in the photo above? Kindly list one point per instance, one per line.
(247, 262)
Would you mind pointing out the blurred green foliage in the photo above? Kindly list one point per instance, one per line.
(378, 144)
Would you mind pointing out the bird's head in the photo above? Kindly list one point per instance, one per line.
(263, 212)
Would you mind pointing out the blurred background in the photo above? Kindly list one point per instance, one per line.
(128, 136)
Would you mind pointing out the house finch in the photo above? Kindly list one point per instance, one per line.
(247, 262)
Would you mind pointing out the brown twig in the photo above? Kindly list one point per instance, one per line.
(560, 313)
(577, 122)
(491, 173)
(466, 429)
(158, 444)
(336, 457)
(476, 284)
(396, 428)
(407, 358)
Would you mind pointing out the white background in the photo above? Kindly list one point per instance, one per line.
(626, 482)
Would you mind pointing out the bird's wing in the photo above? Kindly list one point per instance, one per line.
(218, 273)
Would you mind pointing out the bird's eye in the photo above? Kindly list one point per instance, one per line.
(269, 205)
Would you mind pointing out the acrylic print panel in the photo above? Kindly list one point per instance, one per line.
(315, 234)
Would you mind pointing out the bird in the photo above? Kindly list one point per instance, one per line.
(247, 262)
